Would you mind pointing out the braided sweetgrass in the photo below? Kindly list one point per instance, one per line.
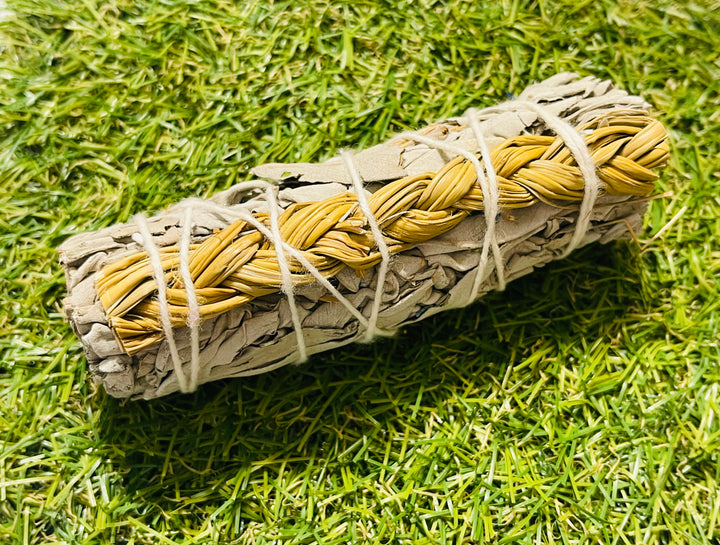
(238, 264)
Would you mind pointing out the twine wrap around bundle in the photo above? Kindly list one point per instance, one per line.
(260, 278)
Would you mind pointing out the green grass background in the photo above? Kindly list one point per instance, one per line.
(579, 406)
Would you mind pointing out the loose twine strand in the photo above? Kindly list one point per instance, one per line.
(487, 178)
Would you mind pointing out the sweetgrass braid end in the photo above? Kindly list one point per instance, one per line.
(238, 264)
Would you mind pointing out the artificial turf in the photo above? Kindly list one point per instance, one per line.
(579, 406)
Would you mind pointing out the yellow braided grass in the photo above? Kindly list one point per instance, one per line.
(237, 264)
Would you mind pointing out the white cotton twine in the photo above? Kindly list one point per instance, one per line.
(193, 320)
(286, 276)
(487, 178)
(146, 240)
(490, 204)
(580, 151)
(371, 330)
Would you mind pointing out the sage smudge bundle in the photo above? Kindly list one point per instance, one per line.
(310, 257)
